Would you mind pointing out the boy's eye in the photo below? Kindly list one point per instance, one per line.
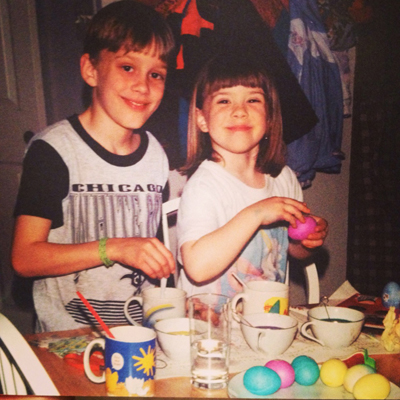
(156, 75)
(127, 68)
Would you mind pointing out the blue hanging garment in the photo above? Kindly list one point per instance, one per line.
(314, 66)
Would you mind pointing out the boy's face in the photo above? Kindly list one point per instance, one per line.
(128, 86)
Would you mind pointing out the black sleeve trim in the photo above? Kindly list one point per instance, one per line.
(44, 184)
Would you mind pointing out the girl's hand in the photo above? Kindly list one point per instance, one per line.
(276, 209)
(317, 238)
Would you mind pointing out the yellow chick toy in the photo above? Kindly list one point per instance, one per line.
(391, 334)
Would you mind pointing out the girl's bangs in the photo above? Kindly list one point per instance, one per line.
(221, 82)
(253, 80)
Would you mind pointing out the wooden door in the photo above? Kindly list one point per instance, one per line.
(21, 109)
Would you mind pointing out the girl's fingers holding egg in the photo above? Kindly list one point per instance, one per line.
(322, 227)
(312, 243)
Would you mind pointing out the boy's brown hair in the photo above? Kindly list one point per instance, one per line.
(221, 72)
(128, 24)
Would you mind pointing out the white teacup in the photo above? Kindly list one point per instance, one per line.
(333, 327)
(263, 297)
(172, 304)
(270, 334)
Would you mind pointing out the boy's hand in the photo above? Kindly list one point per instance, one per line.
(317, 238)
(146, 254)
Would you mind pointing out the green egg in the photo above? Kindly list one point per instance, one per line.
(261, 380)
(306, 370)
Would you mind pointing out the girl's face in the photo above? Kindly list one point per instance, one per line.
(235, 119)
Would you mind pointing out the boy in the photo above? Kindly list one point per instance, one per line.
(97, 176)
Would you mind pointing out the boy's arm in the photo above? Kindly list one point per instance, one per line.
(210, 255)
(32, 255)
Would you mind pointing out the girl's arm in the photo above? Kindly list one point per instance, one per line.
(209, 256)
(32, 255)
(304, 249)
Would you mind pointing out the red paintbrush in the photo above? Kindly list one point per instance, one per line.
(93, 311)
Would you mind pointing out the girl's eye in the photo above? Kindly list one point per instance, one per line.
(223, 101)
(255, 100)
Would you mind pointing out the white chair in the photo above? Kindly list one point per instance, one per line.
(21, 372)
(312, 282)
(310, 271)
(170, 207)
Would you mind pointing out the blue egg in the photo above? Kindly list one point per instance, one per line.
(306, 370)
(391, 295)
(261, 380)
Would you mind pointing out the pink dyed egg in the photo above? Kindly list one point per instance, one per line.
(302, 230)
(284, 370)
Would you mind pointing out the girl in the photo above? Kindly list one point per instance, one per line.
(237, 204)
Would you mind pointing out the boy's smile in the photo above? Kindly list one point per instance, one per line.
(127, 87)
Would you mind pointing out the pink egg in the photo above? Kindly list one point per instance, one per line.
(302, 230)
(284, 370)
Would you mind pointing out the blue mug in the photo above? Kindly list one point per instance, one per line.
(130, 361)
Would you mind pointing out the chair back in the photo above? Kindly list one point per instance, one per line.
(168, 208)
(21, 372)
(312, 282)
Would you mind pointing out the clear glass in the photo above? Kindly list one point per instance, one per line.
(210, 332)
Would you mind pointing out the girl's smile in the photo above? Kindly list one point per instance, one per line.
(235, 118)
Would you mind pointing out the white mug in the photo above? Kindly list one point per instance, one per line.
(263, 297)
(157, 307)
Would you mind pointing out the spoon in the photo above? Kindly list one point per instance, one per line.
(163, 285)
(243, 319)
(324, 302)
(239, 280)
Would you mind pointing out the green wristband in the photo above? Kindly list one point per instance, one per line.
(102, 253)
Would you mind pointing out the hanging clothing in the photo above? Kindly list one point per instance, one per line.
(204, 28)
(313, 63)
(275, 13)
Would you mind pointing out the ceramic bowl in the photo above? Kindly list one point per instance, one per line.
(270, 334)
(173, 338)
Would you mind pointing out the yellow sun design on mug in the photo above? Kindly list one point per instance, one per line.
(147, 362)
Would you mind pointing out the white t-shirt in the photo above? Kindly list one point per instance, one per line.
(211, 198)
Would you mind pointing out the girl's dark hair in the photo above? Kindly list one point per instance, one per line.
(225, 71)
(132, 25)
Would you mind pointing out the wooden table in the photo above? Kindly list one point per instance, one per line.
(71, 381)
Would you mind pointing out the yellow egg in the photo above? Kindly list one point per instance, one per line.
(354, 373)
(372, 386)
(332, 372)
